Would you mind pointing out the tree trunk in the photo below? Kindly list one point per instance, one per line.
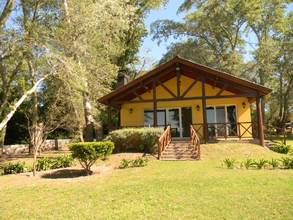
(19, 102)
(262, 82)
(90, 133)
(6, 12)
(2, 139)
(38, 139)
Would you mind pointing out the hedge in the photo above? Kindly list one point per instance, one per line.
(88, 153)
(135, 139)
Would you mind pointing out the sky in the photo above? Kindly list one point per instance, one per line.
(150, 50)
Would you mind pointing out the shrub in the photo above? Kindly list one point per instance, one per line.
(125, 164)
(261, 163)
(139, 162)
(248, 163)
(62, 162)
(281, 148)
(287, 162)
(135, 139)
(44, 163)
(13, 168)
(274, 163)
(88, 153)
(229, 163)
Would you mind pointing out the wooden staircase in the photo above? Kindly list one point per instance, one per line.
(169, 149)
(180, 150)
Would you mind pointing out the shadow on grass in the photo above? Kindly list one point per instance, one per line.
(65, 173)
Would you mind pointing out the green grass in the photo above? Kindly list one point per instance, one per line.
(161, 190)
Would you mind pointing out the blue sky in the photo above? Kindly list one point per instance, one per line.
(150, 48)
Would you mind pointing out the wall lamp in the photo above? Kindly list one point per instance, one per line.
(197, 108)
(244, 104)
(131, 110)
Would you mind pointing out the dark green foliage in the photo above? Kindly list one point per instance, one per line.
(261, 163)
(59, 133)
(62, 162)
(287, 162)
(54, 163)
(16, 131)
(248, 163)
(139, 162)
(13, 168)
(135, 139)
(274, 163)
(281, 148)
(283, 163)
(125, 164)
(44, 163)
(88, 153)
(229, 163)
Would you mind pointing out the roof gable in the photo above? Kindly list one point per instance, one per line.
(190, 69)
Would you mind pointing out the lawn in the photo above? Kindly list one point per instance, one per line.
(162, 190)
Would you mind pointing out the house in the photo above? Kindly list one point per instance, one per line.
(181, 93)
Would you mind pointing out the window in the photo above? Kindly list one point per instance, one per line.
(149, 118)
(222, 121)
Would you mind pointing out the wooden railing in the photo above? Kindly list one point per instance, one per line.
(226, 130)
(195, 141)
(164, 140)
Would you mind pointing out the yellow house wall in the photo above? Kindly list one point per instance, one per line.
(136, 118)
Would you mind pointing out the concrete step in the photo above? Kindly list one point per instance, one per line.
(179, 158)
(179, 150)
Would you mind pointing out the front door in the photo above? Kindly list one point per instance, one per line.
(180, 120)
(186, 119)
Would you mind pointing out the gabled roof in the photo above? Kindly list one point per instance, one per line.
(189, 68)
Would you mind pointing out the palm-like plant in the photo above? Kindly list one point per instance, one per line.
(229, 163)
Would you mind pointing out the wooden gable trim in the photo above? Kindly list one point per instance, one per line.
(189, 88)
(226, 76)
(221, 90)
(246, 95)
(166, 88)
(194, 69)
(178, 74)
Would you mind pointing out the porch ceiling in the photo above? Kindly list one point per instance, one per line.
(190, 69)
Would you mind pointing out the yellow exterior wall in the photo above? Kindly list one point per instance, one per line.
(136, 118)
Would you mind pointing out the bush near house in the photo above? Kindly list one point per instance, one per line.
(135, 139)
(13, 168)
(87, 153)
(281, 148)
(46, 163)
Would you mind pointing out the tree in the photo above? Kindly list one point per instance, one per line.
(53, 110)
(93, 52)
(282, 98)
(212, 25)
(135, 33)
(224, 32)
